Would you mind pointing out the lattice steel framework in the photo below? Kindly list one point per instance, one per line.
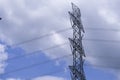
(77, 71)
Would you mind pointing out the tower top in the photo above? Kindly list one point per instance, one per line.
(76, 10)
(75, 17)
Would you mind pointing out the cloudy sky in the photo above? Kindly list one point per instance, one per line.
(25, 20)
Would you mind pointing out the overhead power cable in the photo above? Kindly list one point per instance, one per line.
(37, 51)
(36, 64)
(56, 46)
(50, 73)
(47, 61)
(104, 66)
(40, 37)
(103, 40)
(103, 29)
(60, 31)
(61, 71)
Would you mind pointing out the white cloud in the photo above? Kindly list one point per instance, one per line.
(13, 79)
(3, 58)
(43, 19)
(24, 19)
(49, 78)
(39, 78)
(57, 38)
(109, 16)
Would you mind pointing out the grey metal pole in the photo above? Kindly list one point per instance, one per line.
(77, 68)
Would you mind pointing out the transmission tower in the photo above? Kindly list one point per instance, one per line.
(77, 71)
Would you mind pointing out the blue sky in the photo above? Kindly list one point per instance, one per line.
(27, 19)
(46, 69)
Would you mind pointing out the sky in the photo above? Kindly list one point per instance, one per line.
(23, 20)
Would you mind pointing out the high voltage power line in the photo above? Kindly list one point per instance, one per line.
(50, 34)
(48, 61)
(103, 40)
(60, 31)
(34, 52)
(50, 73)
(37, 64)
(103, 29)
(58, 71)
(40, 37)
(55, 46)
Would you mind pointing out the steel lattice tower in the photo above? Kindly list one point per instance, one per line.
(77, 71)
